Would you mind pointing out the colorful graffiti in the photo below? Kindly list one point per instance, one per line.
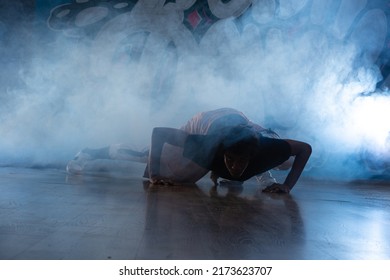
(84, 18)
(176, 20)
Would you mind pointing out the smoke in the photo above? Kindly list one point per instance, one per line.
(308, 71)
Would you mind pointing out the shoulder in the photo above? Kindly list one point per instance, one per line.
(269, 141)
(268, 145)
(298, 147)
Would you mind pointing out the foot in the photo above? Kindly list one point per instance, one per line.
(76, 166)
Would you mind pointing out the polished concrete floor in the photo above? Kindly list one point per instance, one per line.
(47, 214)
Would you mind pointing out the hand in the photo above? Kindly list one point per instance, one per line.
(158, 180)
(277, 188)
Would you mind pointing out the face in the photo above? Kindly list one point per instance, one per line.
(236, 164)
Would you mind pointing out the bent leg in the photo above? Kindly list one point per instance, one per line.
(124, 152)
(101, 159)
(176, 168)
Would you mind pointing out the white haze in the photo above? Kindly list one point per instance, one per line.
(316, 85)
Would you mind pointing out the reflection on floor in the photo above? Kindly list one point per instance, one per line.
(45, 214)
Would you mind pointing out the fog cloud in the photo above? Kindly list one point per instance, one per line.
(308, 71)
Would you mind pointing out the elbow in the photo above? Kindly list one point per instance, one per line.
(306, 152)
(300, 148)
(159, 134)
(157, 130)
(308, 149)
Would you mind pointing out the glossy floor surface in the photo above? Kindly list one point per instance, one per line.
(46, 214)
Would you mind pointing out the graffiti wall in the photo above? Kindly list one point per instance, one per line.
(91, 73)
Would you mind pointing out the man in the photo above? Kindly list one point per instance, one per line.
(228, 144)
(223, 141)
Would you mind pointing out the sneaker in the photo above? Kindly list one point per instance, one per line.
(76, 165)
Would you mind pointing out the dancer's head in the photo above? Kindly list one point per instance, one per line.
(239, 144)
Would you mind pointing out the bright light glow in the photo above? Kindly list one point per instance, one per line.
(368, 119)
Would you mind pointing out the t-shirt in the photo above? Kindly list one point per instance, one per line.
(206, 151)
(211, 122)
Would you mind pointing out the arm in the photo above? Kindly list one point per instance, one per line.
(301, 151)
(160, 136)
